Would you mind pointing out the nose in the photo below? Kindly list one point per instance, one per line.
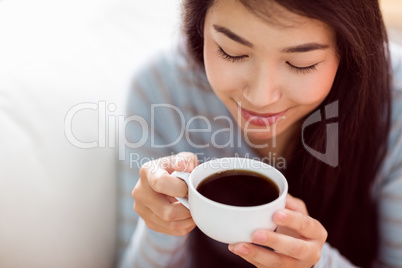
(263, 89)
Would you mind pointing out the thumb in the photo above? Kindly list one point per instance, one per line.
(185, 161)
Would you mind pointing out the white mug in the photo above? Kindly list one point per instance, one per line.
(226, 223)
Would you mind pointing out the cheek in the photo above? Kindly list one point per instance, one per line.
(221, 74)
(313, 88)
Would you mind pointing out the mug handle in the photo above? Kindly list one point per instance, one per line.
(185, 177)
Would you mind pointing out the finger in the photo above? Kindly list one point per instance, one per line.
(296, 204)
(158, 173)
(177, 221)
(259, 256)
(180, 227)
(162, 182)
(243, 250)
(306, 226)
(166, 163)
(287, 245)
(165, 207)
(171, 211)
(185, 162)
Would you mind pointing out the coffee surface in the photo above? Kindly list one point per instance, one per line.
(239, 188)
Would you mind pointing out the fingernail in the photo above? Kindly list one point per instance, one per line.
(231, 247)
(260, 237)
(241, 249)
(280, 216)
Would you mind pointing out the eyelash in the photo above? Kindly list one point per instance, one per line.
(303, 70)
(227, 57)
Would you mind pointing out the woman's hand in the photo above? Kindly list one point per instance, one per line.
(296, 243)
(154, 191)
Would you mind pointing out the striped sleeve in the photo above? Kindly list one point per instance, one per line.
(143, 137)
(391, 224)
(390, 186)
(152, 249)
(330, 257)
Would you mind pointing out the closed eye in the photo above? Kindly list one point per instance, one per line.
(303, 70)
(228, 57)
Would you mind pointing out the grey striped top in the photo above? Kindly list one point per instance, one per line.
(167, 103)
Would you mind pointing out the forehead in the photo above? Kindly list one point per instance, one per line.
(270, 20)
(267, 11)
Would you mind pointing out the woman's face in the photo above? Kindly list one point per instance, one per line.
(268, 74)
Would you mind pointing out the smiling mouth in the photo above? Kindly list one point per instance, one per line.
(262, 120)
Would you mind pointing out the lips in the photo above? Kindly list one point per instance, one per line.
(262, 120)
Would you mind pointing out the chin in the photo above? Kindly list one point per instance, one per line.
(259, 137)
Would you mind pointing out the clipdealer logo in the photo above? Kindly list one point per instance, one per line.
(135, 131)
(111, 130)
(331, 154)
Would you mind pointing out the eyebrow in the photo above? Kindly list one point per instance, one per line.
(232, 35)
(305, 48)
(297, 49)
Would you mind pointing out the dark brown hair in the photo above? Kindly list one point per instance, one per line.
(339, 197)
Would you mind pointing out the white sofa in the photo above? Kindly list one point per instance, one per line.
(57, 199)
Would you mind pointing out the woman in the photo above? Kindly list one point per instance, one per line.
(252, 83)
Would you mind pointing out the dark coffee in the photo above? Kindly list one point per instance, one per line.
(239, 188)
